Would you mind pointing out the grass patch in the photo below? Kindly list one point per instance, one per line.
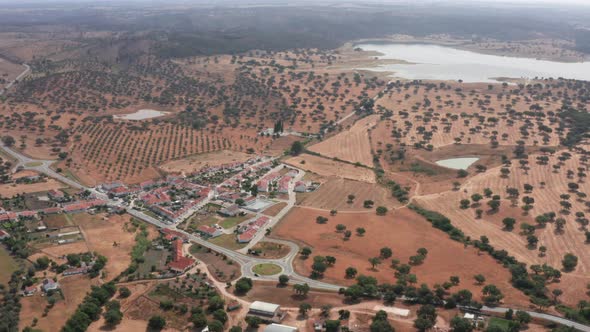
(419, 168)
(267, 269)
(34, 164)
(7, 265)
(232, 221)
(501, 323)
(228, 241)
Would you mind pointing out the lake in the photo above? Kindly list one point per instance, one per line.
(434, 62)
(141, 115)
(457, 163)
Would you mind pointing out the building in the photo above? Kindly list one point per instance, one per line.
(8, 216)
(247, 236)
(4, 234)
(268, 312)
(29, 291)
(280, 328)
(209, 231)
(28, 214)
(300, 187)
(230, 211)
(262, 186)
(75, 271)
(56, 195)
(179, 262)
(49, 285)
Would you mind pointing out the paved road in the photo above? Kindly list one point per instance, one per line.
(248, 262)
(543, 316)
(274, 220)
(20, 76)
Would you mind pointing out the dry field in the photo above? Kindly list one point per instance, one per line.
(404, 232)
(275, 209)
(9, 70)
(13, 189)
(351, 145)
(327, 167)
(333, 194)
(284, 296)
(279, 145)
(56, 251)
(194, 163)
(548, 186)
(101, 236)
(74, 289)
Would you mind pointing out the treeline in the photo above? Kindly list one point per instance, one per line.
(579, 123)
(534, 287)
(91, 308)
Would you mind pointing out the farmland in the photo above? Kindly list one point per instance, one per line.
(328, 167)
(196, 162)
(352, 145)
(404, 232)
(10, 190)
(333, 194)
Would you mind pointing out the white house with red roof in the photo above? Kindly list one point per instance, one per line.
(209, 231)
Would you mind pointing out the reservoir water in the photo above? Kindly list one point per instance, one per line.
(457, 163)
(141, 115)
(433, 62)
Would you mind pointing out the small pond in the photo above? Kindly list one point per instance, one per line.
(457, 163)
(141, 115)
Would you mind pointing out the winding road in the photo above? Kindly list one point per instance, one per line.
(246, 262)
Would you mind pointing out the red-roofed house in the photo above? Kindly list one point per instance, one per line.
(209, 231)
(8, 216)
(179, 262)
(27, 214)
(4, 234)
(262, 186)
(56, 195)
(247, 236)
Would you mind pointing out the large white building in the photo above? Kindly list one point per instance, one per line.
(269, 312)
(280, 328)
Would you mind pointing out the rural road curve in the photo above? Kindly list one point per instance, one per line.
(20, 76)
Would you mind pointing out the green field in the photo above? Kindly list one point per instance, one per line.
(7, 266)
(228, 241)
(499, 322)
(232, 221)
(34, 164)
(267, 269)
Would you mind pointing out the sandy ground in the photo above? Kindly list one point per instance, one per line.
(404, 232)
(74, 289)
(194, 163)
(101, 235)
(328, 167)
(351, 145)
(275, 209)
(333, 194)
(9, 190)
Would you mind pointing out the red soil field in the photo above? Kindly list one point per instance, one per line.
(404, 232)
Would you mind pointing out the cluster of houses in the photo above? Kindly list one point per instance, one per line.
(275, 180)
(72, 207)
(248, 229)
(47, 285)
(176, 200)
